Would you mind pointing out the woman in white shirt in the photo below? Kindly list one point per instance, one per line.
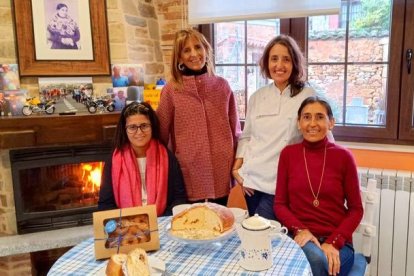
(270, 123)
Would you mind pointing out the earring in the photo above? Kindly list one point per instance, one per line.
(181, 67)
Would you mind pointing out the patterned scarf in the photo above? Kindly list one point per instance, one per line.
(126, 180)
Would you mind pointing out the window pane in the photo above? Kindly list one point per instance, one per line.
(357, 42)
(369, 28)
(235, 75)
(366, 94)
(326, 41)
(238, 63)
(328, 81)
(259, 33)
(255, 80)
(229, 44)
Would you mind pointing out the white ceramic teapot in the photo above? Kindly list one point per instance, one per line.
(256, 235)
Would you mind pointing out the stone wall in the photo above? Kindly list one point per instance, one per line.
(140, 31)
(367, 82)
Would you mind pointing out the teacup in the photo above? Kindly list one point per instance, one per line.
(277, 227)
(179, 208)
(239, 214)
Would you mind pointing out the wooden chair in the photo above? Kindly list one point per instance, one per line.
(236, 198)
(366, 229)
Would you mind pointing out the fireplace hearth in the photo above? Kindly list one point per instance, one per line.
(56, 187)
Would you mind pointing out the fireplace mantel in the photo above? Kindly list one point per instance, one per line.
(18, 132)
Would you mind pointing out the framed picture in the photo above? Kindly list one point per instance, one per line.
(62, 30)
(83, 51)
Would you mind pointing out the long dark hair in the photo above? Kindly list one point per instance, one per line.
(298, 77)
(316, 99)
(134, 108)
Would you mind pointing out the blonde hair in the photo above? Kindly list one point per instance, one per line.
(181, 38)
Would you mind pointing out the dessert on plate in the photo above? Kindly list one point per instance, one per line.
(133, 263)
(202, 221)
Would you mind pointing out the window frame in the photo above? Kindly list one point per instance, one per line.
(398, 127)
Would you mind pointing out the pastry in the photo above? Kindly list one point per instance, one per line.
(114, 267)
(202, 221)
(135, 263)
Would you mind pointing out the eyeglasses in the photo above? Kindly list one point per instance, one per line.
(131, 129)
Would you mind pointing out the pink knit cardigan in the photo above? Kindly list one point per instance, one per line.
(201, 124)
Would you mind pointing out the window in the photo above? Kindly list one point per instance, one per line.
(238, 47)
(357, 59)
(348, 62)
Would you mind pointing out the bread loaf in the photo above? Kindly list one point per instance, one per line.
(202, 221)
(114, 267)
(135, 263)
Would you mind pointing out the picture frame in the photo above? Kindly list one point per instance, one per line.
(30, 66)
(62, 30)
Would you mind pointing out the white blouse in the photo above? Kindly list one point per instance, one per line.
(271, 124)
(142, 164)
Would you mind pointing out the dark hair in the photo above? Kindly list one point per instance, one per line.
(298, 76)
(61, 5)
(134, 108)
(316, 99)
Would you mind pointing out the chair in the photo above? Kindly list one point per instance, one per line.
(367, 229)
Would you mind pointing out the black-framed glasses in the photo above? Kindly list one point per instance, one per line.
(131, 129)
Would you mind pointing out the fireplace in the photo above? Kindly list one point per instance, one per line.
(56, 187)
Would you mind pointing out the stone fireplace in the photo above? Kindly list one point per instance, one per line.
(41, 132)
(37, 132)
(56, 187)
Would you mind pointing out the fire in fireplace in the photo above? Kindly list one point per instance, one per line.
(56, 187)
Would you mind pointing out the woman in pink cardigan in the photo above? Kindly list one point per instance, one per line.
(198, 118)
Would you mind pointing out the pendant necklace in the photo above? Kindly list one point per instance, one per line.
(315, 201)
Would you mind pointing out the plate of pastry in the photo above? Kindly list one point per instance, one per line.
(202, 223)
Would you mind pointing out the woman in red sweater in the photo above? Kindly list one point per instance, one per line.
(318, 196)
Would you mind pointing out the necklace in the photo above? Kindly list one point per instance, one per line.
(315, 200)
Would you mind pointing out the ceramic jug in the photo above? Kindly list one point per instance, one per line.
(256, 235)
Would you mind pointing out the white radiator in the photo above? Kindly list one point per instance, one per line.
(393, 245)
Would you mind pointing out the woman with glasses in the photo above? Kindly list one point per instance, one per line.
(141, 170)
(198, 116)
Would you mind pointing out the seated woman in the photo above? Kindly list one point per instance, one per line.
(141, 170)
(317, 195)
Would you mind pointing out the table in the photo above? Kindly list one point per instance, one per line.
(180, 259)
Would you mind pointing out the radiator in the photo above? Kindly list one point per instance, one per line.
(393, 245)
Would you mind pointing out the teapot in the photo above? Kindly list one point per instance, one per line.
(256, 235)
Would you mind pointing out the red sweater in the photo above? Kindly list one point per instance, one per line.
(340, 207)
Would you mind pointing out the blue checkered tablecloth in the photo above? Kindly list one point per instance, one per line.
(186, 259)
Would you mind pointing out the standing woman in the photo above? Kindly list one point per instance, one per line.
(198, 117)
(317, 196)
(270, 123)
(141, 170)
